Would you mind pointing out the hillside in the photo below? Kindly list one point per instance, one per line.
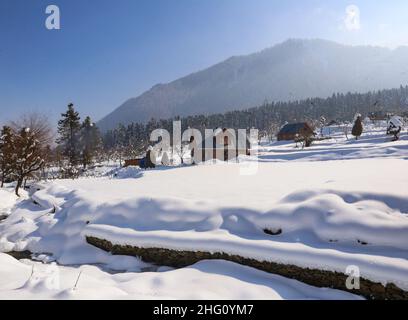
(295, 69)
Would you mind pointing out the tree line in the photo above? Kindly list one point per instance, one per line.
(27, 147)
(131, 139)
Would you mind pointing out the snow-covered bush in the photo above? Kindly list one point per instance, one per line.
(394, 127)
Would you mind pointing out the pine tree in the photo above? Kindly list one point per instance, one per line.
(7, 153)
(69, 128)
(358, 127)
(90, 141)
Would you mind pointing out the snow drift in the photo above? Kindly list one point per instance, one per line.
(324, 229)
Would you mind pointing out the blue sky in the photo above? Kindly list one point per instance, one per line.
(108, 51)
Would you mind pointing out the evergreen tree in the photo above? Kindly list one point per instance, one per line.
(7, 153)
(90, 141)
(69, 128)
(358, 127)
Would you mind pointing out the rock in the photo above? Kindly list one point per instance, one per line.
(314, 277)
(273, 232)
(20, 254)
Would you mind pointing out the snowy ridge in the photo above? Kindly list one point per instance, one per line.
(381, 269)
(41, 197)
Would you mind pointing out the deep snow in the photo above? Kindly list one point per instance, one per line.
(204, 280)
(338, 203)
(7, 200)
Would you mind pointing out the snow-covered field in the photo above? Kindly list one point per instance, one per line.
(205, 280)
(339, 203)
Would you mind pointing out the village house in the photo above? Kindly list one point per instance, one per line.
(143, 162)
(224, 146)
(293, 130)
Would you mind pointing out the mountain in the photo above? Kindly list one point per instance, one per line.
(292, 70)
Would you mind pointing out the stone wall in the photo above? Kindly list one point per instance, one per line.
(315, 277)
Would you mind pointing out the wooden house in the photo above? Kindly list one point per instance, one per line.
(293, 130)
(222, 146)
(143, 163)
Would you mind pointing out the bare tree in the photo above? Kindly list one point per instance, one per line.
(272, 130)
(322, 123)
(345, 130)
(39, 126)
(306, 136)
(32, 139)
(181, 151)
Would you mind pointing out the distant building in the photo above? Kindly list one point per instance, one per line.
(132, 162)
(143, 163)
(292, 130)
(222, 146)
(380, 115)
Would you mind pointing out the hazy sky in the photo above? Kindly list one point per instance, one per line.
(110, 50)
